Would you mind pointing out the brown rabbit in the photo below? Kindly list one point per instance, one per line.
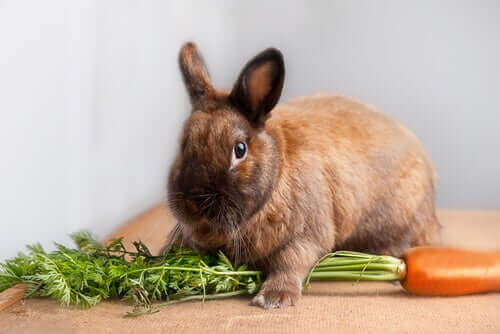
(280, 189)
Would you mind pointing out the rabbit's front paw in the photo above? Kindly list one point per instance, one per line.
(270, 298)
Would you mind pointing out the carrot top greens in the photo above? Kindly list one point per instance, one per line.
(92, 272)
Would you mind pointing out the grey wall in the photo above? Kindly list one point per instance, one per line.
(433, 65)
(91, 100)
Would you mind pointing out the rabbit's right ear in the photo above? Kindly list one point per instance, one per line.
(195, 74)
(259, 86)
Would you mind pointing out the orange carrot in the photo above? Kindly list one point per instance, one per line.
(443, 271)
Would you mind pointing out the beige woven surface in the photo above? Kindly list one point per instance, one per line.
(329, 307)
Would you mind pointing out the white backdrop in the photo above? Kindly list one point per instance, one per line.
(91, 100)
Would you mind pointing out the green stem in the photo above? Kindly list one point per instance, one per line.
(342, 261)
(354, 266)
(162, 268)
(32, 292)
(354, 276)
(360, 267)
(153, 308)
(233, 273)
(215, 272)
(206, 297)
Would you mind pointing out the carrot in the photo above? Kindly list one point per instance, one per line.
(444, 271)
(431, 271)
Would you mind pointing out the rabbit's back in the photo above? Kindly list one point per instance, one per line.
(380, 180)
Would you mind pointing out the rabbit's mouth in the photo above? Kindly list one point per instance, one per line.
(220, 210)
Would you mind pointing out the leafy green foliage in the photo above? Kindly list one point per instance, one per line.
(92, 272)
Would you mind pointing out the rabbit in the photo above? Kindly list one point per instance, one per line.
(279, 186)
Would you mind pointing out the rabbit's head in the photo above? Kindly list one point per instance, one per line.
(227, 163)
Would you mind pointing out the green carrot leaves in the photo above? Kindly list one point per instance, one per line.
(91, 272)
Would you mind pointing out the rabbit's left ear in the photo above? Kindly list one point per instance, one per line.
(259, 86)
(195, 74)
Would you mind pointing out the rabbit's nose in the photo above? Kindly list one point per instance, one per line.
(195, 178)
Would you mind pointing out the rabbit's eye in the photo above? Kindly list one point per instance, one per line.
(240, 149)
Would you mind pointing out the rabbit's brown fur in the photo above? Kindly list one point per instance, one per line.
(322, 172)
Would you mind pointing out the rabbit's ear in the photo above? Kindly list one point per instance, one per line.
(195, 74)
(259, 86)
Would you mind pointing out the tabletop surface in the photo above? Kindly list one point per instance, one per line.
(328, 307)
